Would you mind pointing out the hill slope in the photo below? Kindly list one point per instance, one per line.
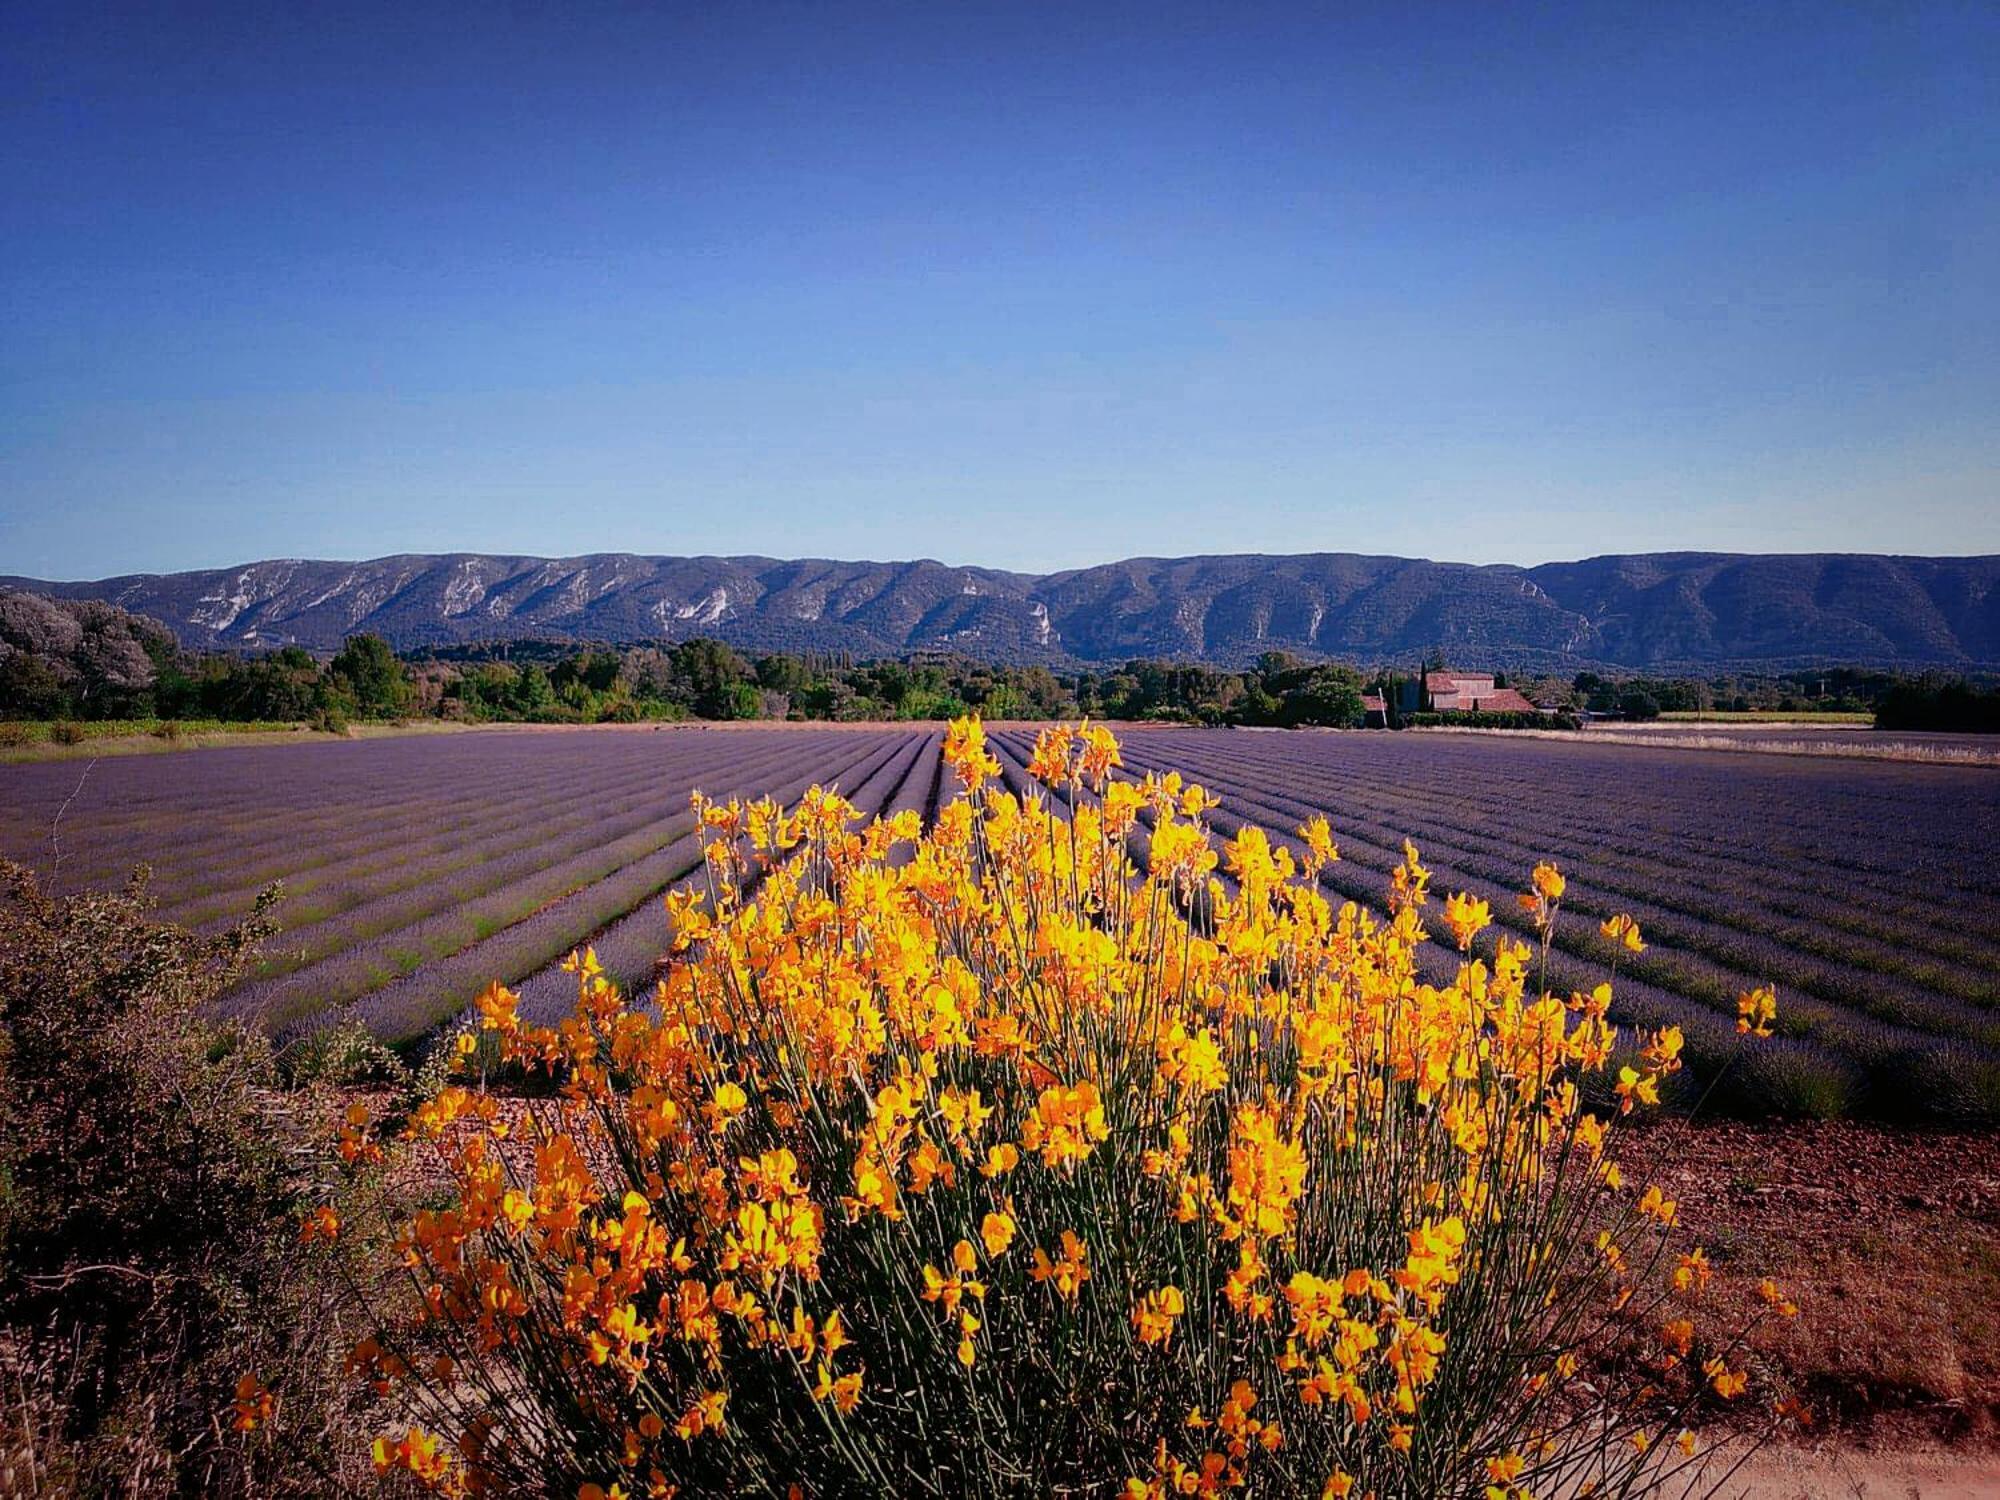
(1661, 610)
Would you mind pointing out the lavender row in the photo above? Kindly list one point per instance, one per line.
(1890, 1021)
(629, 948)
(1709, 821)
(417, 972)
(534, 947)
(1684, 916)
(202, 833)
(514, 873)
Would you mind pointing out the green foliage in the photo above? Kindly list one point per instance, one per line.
(346, 1054)
(1487, 719)
(1940, 703)
(367, 672)
(1804, 691)
(1789, 1082)
(556, 682)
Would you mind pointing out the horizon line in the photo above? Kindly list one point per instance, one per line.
(905, 562)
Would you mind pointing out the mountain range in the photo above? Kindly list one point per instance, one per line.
(1656, 611)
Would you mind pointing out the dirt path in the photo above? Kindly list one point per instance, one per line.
(1841, 1473)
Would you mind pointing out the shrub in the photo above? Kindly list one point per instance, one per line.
(330, 721)
(1494, 718)
(990, 1172)
(162, 1328)
(1790, 1079)
(68, 732)
(346, 1054)
(167, 729)
(1939, 1084)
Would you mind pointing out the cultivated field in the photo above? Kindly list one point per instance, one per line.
(1865, 891)
(417, 870)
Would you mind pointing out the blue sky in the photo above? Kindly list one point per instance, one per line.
(1017, 284)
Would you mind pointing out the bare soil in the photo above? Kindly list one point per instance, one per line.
(1889, 1240)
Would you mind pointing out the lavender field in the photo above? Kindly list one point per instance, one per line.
(1867, 892)
(418, 870)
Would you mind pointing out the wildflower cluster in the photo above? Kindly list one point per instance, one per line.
(1052, 1148)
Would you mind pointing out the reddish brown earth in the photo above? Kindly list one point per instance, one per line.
(1889, 1240)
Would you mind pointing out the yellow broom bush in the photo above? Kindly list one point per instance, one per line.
(1052, 1150)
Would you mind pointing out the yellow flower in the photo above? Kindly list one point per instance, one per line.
(1320, 848)
(1726, 1384)
(704, 1415)
(1155, 1314)
(965, 752)
(1756, 1010)
(1001, 1159)
(1691, 1274)
(727, 1102)
(846, 1390)
(417, 1453)
(997, 1230)
(1678, 1335)
(1066, 1125)
(1655, 1205)
(1070, 1271)
(1267, 1172)
(1467, 917)
(1181, 1042)
(254, 1404)
(1432, 1265)
(321, 1224)
(833, 1337)
(1622, 930)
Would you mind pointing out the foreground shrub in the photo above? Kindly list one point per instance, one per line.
(346, 1054)
(163, 1330)
(989, 1171)
(1792, 1080)
(1941, 1084)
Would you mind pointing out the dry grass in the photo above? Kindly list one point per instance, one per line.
(1842, 745)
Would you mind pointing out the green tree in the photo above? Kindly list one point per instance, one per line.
(1331, 696)
(372, 677)
(533, 694)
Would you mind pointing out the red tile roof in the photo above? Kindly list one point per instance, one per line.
(1503, 701)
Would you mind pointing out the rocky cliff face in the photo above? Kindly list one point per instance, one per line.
(1660, 611)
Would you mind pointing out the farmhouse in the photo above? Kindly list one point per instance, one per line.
(1471, 692)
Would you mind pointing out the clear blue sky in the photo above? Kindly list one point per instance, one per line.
(1021, 284)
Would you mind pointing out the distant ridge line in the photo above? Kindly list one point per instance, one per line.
(1656, 611)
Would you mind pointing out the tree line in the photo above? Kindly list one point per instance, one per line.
(84, 660)
(708, 679)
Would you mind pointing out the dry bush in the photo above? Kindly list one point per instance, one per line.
(152, 1189)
